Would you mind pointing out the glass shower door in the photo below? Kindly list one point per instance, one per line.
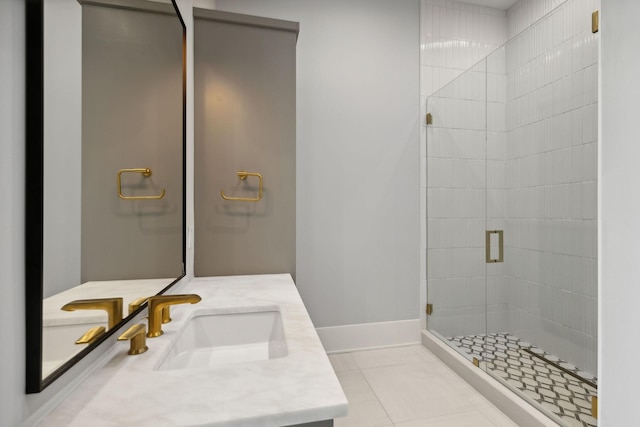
(457, 212)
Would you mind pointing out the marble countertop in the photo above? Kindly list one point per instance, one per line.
(298, 388)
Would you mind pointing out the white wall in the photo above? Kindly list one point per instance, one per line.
(63, 145)
(357, 155)
(12, 212)
(619, 292)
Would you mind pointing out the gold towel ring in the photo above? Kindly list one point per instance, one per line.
(243, 175)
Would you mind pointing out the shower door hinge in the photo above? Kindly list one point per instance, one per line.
(594, 406)
(595, 21)
(429, 309)
(476, 362)
(429, 119)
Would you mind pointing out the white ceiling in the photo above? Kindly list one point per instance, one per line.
(498, 4)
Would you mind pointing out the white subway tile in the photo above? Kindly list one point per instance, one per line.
(590, 123)
(590, 85)
(590, 237)
(590, 161)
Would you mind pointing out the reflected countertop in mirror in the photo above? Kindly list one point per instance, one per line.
(128, 290)
(61, 329)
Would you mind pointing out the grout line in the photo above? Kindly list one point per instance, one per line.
(377, 397)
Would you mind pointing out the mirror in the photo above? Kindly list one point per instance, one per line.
(105, 170)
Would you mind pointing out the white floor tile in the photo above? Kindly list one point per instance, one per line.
(355, 386)
(385, 357)
(342, 362)
(364, 414)
(498, 418)
(409, 387)
(432, 360)
(467, 419)
(414, 391)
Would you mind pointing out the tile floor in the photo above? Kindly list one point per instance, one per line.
(556, 391)
(409, 387)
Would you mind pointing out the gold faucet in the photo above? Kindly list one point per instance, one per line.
(158, 303)
(137, 340)
(136, 304)
(113, 307)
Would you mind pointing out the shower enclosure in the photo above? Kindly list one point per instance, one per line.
(512, 215)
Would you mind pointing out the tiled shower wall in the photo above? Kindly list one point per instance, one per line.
(454, 37)
(551, 181)
(521, 15)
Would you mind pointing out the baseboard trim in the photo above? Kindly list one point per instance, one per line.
(338, 339)
(522, 413)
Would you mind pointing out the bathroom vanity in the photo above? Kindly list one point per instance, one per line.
(283, 380)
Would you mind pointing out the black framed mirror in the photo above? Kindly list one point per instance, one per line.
(105, 170)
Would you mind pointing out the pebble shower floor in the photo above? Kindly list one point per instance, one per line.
(558, 392)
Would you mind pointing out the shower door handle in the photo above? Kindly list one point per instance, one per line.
(500, 234)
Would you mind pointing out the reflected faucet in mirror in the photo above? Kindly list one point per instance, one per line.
(113, 307)
(91, 335)
(158, 303)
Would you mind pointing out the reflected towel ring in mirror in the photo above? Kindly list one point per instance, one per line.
(146, 172)
(243, 175)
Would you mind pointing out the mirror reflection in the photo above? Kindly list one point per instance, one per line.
(113, 166)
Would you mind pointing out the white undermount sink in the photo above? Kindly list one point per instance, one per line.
(213, 339)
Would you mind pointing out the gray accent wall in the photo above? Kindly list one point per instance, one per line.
(245, 120)
(131, 118)
(358, 157)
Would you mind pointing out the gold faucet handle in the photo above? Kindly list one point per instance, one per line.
(135, 304)
(137, 336)
(91, 335)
